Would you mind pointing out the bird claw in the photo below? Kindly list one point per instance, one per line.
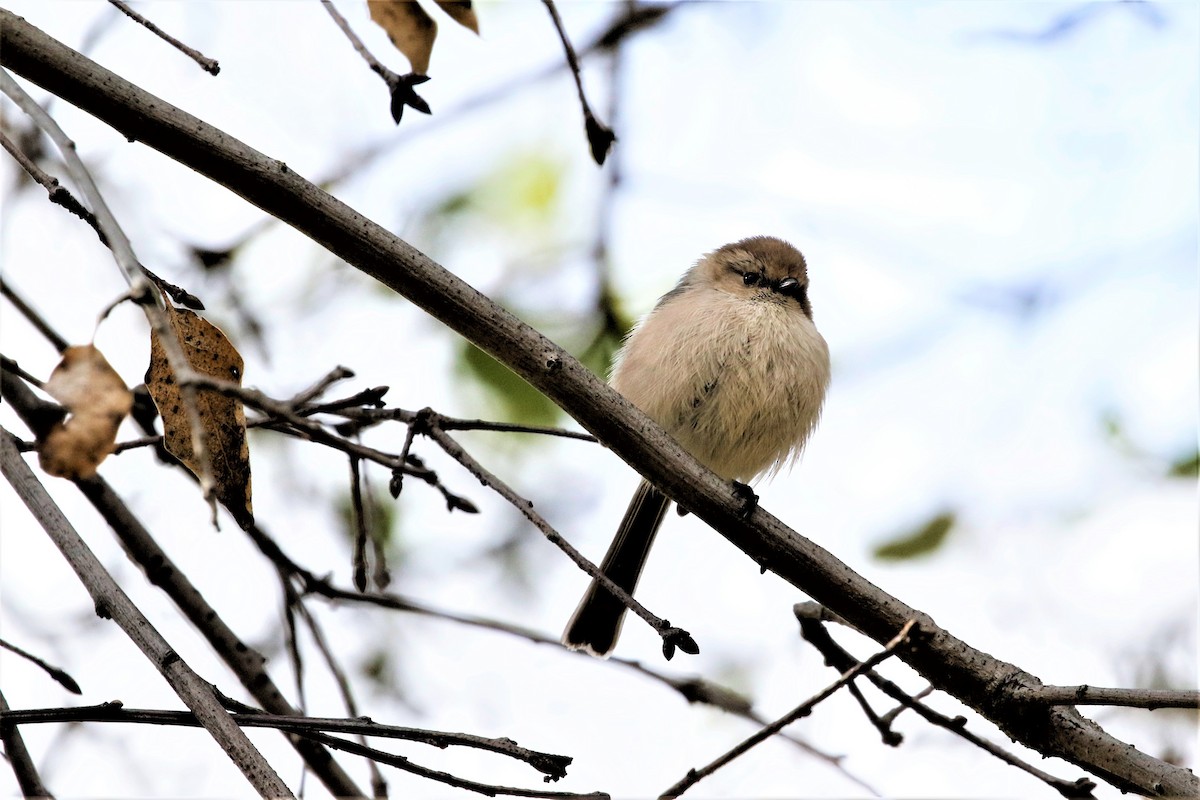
(747, 496)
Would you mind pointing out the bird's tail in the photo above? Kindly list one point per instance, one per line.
(597, 621)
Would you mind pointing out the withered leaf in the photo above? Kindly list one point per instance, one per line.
(410, 28)
(97, 399)
(223, 419)
(461, 11)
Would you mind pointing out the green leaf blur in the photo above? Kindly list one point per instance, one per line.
(1186, 466)
(512, 399)
(380, 513)
(920, 542)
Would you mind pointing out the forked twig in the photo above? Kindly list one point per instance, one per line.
(694, 776)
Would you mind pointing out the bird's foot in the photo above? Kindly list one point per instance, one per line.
(747, 496)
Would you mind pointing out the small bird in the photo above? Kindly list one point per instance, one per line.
(730, 363)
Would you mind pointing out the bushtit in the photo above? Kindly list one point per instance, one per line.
(730, 364)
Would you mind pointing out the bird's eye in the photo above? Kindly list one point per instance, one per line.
(750, 278)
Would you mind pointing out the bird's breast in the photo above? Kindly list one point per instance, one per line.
(738, 382)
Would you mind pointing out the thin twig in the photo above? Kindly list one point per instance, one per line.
(134, 444)
(59, 675)
(381, 575)
(402, 763)
(374, 63)
(694, 776)
(890, 737)
(292, 639)
(56, 192)
(18, 756)
(112, 602)
(359, 520)
(600, 136)
(550, 764)
(12, 366)
(378, 784)
(1082, 695)
(401, 87)
(35, 319)
(672, 636)
(338, 373)
(890, 717)
(1096, 696)
(836, 656)
(611, 325)
(624, 26)
(366, 417)
(285, 419)
(209, 65)
(60, 195)
(455, 424)
(360, 400)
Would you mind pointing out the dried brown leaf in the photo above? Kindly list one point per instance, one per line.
(410, 28)
(98, 400)
(223, 419)
(461, 11)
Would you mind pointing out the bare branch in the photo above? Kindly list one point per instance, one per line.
(1082, 695)
(59, 675)
(338, 373)
(1096, 696)
(400, 86)
(671, 636)
(112, 602)
(377, 66)
(426, 421)
(444, 777)
(691, 689)
(35, 319)
(359, 513)
(245, 662)
(379, 785)
(17, 754)
(552, 765)
(284, 417)
(600, 136)
(372, 416)
(209, 65)
(56, 192)
(694, 776)
(814, 633)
